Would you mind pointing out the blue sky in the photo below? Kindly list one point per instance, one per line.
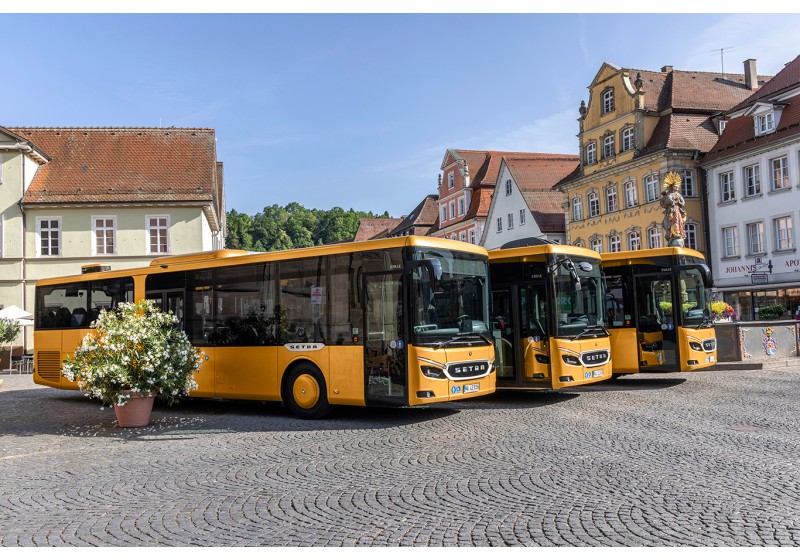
(353, 110)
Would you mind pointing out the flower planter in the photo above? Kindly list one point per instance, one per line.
(136, 412)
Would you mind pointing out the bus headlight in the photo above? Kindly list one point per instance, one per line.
(695, 346)
(571, 360)
(433, 372)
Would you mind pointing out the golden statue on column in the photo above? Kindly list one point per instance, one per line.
(674, 212)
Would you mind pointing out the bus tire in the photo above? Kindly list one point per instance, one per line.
(306, 393)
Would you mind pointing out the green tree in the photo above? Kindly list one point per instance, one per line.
(9, 331)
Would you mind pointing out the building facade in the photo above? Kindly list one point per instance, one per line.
(638, 126)
(753, 175)
(524, 205)
(121, 196)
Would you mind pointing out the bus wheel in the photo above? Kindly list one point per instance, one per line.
(306, 394)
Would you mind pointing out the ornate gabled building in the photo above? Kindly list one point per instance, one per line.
(637, 126)
(121, 196)
(753, 174)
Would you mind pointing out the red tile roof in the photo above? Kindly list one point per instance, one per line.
(421, 219)
(546, 209)
(739, 135)
(536, 171)
(373, 228)
(125, 165)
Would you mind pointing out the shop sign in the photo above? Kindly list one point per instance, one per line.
(759, 278)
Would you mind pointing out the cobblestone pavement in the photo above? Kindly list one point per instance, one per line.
(708, 458)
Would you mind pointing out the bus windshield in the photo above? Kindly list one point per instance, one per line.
(579, 291)
(450, 292)
(694, 299)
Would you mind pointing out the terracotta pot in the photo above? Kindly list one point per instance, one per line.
(136, 412)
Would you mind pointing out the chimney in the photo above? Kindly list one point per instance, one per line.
(666, 68)
(750, 74)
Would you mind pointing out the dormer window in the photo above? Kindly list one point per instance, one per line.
(765, 123)
(722, 124)
(608, 101)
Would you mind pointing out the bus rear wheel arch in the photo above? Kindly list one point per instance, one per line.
(305, 391)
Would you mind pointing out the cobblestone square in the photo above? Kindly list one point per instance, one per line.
(706, 458)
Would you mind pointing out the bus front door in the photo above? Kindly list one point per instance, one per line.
(656, 327)
(384, 340)
(505, 316)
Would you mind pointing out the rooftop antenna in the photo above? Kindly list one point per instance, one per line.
(721, 53)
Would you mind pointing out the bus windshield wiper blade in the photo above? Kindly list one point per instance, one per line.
(593, 330)
(465, 337)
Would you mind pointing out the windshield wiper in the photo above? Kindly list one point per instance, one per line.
(464, 337)
(593, 330)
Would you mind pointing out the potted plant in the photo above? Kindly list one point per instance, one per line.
(722, 312)
(134, 353)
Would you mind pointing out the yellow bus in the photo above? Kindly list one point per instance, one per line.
(393, 322)
(548, 317)
(657, 310)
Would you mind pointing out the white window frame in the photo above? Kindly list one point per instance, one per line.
(756, 228)
(510, 220)
(462, 236)
(765, 123)
(594, 204)
(451, 179)
(452, 209)
(654, 238)
(784, 236)
(499, 225)
(752, 180)
(612, 200)
(614, 244)
(634, 240)
(149, 229)
(727, 187)
(730, 242)
(462, 206)
(687, 185)
(472, 236)
(626, 140)
(590, 153)
(508, 187)
(783, 169)
(608, 146)
(443, 213)
(631, 194)
(690, 230)
(596, 244)
(608, 101)
(651, 187)
(522, 214)
(58, 230)
(577, 209)
(104, 228)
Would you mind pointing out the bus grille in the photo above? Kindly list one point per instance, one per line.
(462, 370)
(596, 358)
(710, 344)
(48, 365)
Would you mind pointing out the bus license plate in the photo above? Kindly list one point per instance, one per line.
(472, 388)
(597, 373)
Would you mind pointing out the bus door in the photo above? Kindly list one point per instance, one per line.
(656, 325)
(386, 375)
(505, 311)
(519, 329)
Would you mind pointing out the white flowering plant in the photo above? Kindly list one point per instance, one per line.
(135, 348)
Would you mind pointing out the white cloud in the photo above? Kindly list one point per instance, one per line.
(555, 134)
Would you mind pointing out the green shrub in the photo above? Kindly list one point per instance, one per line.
(771, 312)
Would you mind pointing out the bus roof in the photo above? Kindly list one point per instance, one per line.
(234, 256)
(634, 257)
(520, 254)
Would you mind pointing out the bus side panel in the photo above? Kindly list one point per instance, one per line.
(246, 372)
(205, 377)
(577, 374)
(624, 350)
(346, 379)
(696, 359)
(343, 371)
(48, 357)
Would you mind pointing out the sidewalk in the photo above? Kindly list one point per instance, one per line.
(791, 361)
